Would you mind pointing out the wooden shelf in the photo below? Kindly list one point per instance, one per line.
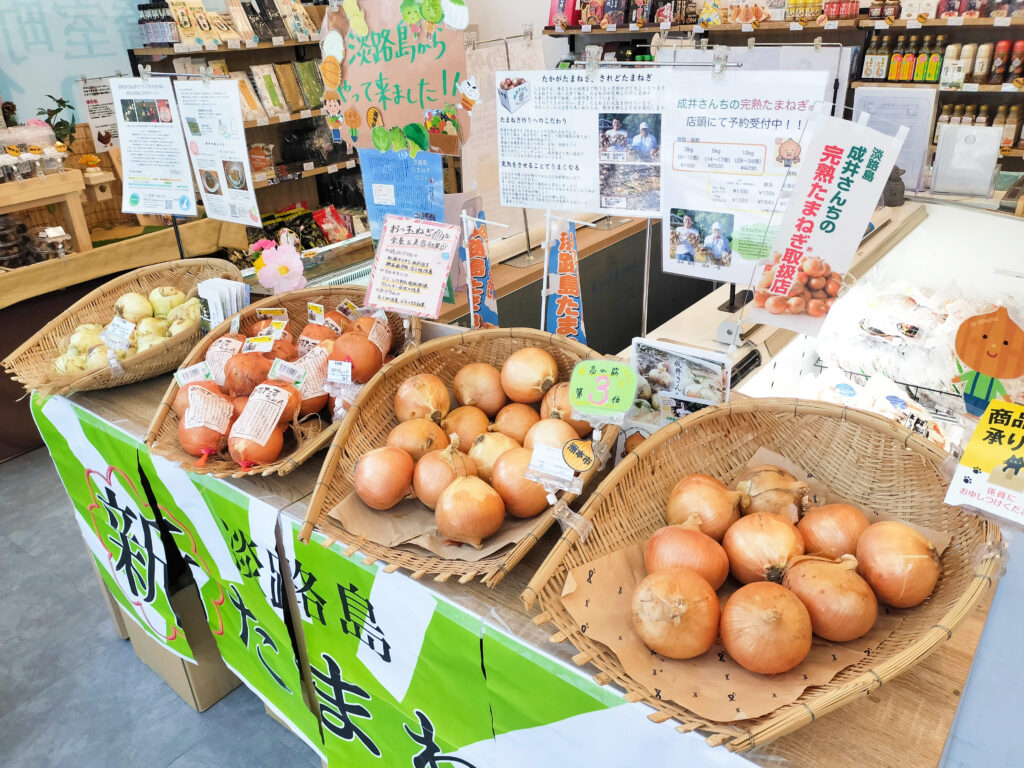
(304, 115)
(784, 26)
(957, 22)
(646, 29)
(350, 162)
(971, 87)
(1002, 152)
(764, 26)
(289, 43)
(63, 190)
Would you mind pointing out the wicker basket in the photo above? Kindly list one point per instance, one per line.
(30, 363)
(859, 456)
(302, 440)
(373, 417)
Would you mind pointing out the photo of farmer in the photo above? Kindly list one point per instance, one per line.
(645, 144)
(718, 245)
(703, 237)
(629, 138)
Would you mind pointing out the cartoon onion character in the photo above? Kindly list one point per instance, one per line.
(992, 345)
(789, 153)
(352, 121)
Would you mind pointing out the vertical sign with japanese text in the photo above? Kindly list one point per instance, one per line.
(398, 183)
(483, 304)
(564, 314)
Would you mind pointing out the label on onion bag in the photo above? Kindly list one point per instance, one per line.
(328, 322)
(339, 371)
(236, 324)
(305, 345)
(277, 313)
(198, 372)
(261, 414)
(380, 335)
(118, 334)
(344, 395)
(602, 391)
(315, 313)
(579, 454)
(548, 468)
(314, 363)
(258, 344)
(285, 371)
(207, 409)
(277, 328)
(218, 355)
(349, 309)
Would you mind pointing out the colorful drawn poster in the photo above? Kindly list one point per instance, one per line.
(733, 147)
(837, 189)
(483, 304)
(571, 142)
(98, 465)
(411, 266)
(397, 183)
(395, 74)
(96, 105)
(564, 303)
(155, 175)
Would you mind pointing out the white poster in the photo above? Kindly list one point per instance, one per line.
(733, 146)
(892, 108)
(211, 115)
(571, 142)
(156, 177)
(97, 106)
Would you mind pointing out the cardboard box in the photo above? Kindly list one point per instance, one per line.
(200, 685)
(515, 96)
(116, 614)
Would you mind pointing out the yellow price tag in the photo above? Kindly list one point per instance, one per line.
(579, 454)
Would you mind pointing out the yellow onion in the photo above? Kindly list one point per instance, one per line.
(436, 471)
(832, 530)
(248, 453)
(527, 374)
(523, 497)
(364, 355)
(479, 384)
(841, 604)
(423, 396)
(772, 490)
(180, 402)
(703, 495)
(244, 371)
(556, 405)
(899, 563)
(761, 546)
(418, 437)
(553, 432)
(515, 420)
(486, 450)
(383, 477)
(765, 628)
(684, 546)
(675, 613)
(468, 422)
(469, 510)
(366, 324)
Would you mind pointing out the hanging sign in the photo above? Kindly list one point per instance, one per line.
(564, 313)
(483, 304)
(399, 183)
(96, 103)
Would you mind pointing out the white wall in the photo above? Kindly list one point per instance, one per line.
(498, 18)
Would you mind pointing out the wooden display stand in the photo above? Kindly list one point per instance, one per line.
(60, 189)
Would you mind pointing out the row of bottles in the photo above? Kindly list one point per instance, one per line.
(972, 114)
(992, 63)
(156, 25)
(906, 63)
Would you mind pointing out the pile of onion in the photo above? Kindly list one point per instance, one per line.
(468, 422)
(832, 530)
(479, 384)
(423, 396)
(899, 563)
(528, 374)
(515, 420)
(684, 546)
(703, 495)
(436, 470)
(765, 628)
(675, 613)
(469, 511)
(840, 603)
(760, 547)
(523, 497)
(772, 490)
(383, 477)
(556, 405)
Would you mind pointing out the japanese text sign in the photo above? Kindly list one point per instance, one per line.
(483, 304)
(564, 312)
(397, 183)
(836, 191)
(411, 266)
(601, 391)
(990, 476)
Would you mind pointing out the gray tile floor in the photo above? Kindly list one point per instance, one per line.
(72, 693)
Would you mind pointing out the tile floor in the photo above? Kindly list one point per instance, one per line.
(72, 693)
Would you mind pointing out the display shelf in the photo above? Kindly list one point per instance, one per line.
(970, 87)
(303, 115)
(63, 190)
(179, 51)
(646, 29)
(784, 26)
(350, 162)
(1002, 152)
(951, 23)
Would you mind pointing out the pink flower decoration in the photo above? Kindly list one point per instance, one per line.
(262, 245)
(36, 123)
(282, 269)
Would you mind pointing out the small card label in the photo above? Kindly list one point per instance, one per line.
(350, 164)
(236, 321)
(181, 47)
(970, 87)
(698, 29)
(1001, 21)
(198, 372)
(1008, 88)
(339, 371)
(612, 27)
(315, 313)
(278, 327)
(252, 43)
(913, 24)
(585, 28)
(746, 28)
(302, 37)
(548, 467)
(118, 335)
(306, 113)
(261, 121)
(882, 24)
(634, 27)
(234, 45)
(258, 344)
(795, 26)
(308, 166)
(277, 41)
(383, 194)
(275, 312)
(211, 45)
(955, 21)
(332, 168)
(285, 371)
(666, 25)
(832, 24)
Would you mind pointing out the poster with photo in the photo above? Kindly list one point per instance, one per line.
(97, 105)
(574, 143)
(733, 145)
(677, 380)
(155, 170)
(215, 133)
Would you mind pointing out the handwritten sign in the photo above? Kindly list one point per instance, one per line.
(411, 266)
(601, 391)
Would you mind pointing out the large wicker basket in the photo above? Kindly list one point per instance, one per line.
(373, 417)
(303, 440)
(859, 456)
(31, 363)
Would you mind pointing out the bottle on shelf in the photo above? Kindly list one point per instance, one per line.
(935, 60)
(970, 115)
(909, 58)
(943, 120)
(895, 60)
(967, 55)
(982, 118)
(867, 71)
(921, 63)
(1010, 128)
(875, 10)
(958, 115)
(882, 61)
(1000, 119)
(1000, 62)
(891, 9)
(982, 63)
(1016, 68)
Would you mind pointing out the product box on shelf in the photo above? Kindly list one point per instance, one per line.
(563, 13)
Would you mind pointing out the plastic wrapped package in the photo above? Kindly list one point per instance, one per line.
(290, 87)
(252, 109)
(295, 17)
(269, 89)
(308, 75)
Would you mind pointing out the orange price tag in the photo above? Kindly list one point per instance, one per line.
(1018, 83)
(1004, 151)
(890, 20)
(922, 17)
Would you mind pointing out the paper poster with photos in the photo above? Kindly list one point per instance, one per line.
(677, 380)
(733, 146)
(574, 143)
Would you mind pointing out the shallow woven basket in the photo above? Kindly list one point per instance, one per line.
(373, 417)
(31, 363)
(860, 457)
(302, 440)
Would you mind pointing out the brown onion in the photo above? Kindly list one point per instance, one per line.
(468, 422)
(262, 327)
(283, 349)
(899, 563)
(527, 374)
(486, 450)
(383, 477)
(773, 491)
(523, 497)
(552, 432)
(436, 471)
(703, 495)
(336, 321)
(201, 441)
(515, 420)
(312, 404)
(248, 453)
(357, 349)
(556, 405)
(675, 613)
(180, 402)
(765, 628)
(423, 396)
(238, 405)
(685, 546)
(841, 604)
(469, 510)
(294, 399)
(365, 324)
(244, 371)
(832, 530)
(418, 437)
(761, 546)
(312, 335)
(479, 384)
